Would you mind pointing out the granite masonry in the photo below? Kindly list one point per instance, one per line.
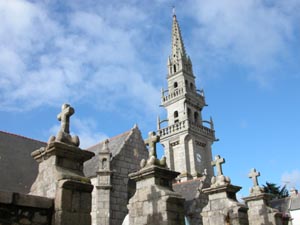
(108, 170)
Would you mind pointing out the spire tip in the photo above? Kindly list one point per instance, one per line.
(174, 11)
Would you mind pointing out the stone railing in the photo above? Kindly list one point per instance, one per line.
(167, 96)
(183, 125)
(204, 130)
(173, 128)
(177, 92)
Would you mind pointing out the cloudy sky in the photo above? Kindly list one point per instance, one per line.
(108, 60)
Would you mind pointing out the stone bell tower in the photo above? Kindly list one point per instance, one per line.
(187, 142)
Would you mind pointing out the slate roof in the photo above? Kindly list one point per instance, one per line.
(115, 145)
(187, 189)
(286, 204)
(281, 204)
(18, 169)
(295, 203)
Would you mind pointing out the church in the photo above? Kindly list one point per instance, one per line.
(109, 171)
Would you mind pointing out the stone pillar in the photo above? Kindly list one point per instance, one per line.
(58, 161)
(102, 212)
(259, 211)
(61, 175)
(73, 203)
(154, 201)
(223, 207)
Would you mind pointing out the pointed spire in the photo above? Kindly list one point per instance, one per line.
(178, 49)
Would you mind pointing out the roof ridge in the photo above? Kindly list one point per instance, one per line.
(130, 132)
(112, 138)
(21, 136)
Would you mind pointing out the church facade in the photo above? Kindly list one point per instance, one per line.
(98, 180)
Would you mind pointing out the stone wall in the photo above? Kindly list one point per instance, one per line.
(19, 209)
(127, 161)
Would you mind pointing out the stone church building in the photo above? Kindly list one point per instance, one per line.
(116, 174)
(108, 170)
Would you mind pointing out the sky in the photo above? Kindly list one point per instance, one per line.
(108, 60)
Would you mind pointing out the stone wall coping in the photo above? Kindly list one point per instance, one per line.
(263, 196)
(154, 171)
(104, 187)
(62, 150)
(104, 172)
(223, 188)
(76, 185)
(25, 200)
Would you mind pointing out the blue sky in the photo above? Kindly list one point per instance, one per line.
(108, 60)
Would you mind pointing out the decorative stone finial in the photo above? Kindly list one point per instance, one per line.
(105, 147)
(63, 134)
(253, 175)
(256, 189)
(220, 179)
(218, 164)
(152, 160)
(151, 142)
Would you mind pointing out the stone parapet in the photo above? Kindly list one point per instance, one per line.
(22, 209)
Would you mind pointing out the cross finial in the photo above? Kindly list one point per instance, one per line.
(151, 142)
(253, 175)
(174, 11)
(66, 112)
(63, 135)
(218, 164)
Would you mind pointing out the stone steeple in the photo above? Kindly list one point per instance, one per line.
(179, 59)
(187, 142)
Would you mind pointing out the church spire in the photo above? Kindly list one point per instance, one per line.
(178, 61)
(178, 50)
(187, 142)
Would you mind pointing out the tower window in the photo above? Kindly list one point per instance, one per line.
(189, 112)
(104, 164)
(174, 67)
(175, 84)
(176, 117)
(191, 86)
(196, 117)
(175, 114)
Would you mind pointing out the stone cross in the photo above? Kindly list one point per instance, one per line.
(151, 142)
(253, 175)
(66, 112)
(217, 163)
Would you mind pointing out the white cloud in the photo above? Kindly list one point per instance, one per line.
(254, 34)
(86, 130)
(291, 179)
(47, 60)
